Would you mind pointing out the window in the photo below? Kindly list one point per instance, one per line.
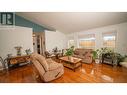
(70, 43)
(109, 39)
(87, 41)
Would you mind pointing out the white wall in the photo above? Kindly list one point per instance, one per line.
(53, 39)
(16, 36)
(121, 42)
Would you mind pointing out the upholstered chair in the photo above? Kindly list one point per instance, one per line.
(47, 68)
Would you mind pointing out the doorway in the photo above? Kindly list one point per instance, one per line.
(39, 42)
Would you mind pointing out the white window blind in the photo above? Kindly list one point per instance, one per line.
(109, 39)
(87, 41)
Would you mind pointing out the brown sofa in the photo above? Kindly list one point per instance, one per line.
(84, 54)
(47, 68)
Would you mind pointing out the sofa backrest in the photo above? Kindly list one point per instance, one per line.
(81, 51)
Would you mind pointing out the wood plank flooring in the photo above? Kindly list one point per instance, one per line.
(89, 73)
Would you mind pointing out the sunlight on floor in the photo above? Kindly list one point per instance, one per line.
(107, 78)
(83, 71)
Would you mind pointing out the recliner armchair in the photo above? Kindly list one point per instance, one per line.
(47, 68)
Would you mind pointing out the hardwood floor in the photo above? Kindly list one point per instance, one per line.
(89, 73)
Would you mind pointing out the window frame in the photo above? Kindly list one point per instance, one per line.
(69, 43)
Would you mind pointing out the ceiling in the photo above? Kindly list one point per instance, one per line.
(68, 22)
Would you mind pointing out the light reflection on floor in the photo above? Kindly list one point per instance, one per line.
(94, 71)
(83, 71)
(107, 78)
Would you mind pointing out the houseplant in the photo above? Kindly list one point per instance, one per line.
(117, 58)
(18, 48)
(105, 50)
(96, 56)
(70, 51)
(28, 51)
(55, 50)
(99, 54)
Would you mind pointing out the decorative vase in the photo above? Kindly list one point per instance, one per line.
(18, 48)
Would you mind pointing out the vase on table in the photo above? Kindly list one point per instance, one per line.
(18, 48)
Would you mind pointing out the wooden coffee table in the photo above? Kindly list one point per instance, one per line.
(71, 62)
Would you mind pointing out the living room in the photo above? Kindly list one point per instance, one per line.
(60, 35)
(63, 47)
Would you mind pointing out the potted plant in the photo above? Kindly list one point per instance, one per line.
(28, 51)
(69, 52)
(96, 56)
(117, 58)
(102, 51)
(55, 50)
(18, 48)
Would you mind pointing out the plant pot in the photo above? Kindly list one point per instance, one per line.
(97, 61)
(69, 57)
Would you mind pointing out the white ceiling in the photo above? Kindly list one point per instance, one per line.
(68, 22)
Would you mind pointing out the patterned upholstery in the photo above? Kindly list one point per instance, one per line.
(84, 54)
(47, 68)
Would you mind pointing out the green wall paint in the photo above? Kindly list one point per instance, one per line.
(20, 21)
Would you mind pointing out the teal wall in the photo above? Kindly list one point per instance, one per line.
(20, 21)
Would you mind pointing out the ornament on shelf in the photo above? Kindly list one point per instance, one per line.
(18, 48)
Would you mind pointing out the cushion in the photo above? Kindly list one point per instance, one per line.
(76, 52)
(84, 54)
(49, 60)
(52, 64)
(42, 61)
